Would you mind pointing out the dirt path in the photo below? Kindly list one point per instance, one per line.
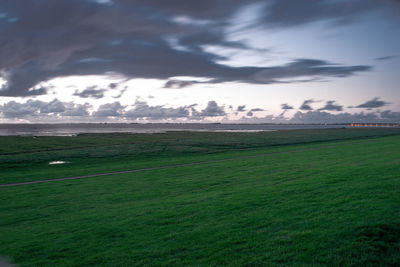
(174, 165)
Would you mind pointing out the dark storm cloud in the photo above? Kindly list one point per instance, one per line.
(54, 106)
(251, 112)
(142, 110)
(177, 84)
(306, 104)
(285, 106)
(130, 38)
(49, 33)
(241, 108)
(318, 116)
(288, 13)
(76, 110)
(109, 110)
(373, 103)
(326, 117)
(390, 115)
(41, 110)
(386, 58)
(212, 110)
(331, 106)
(37, 108)
(113, 85)
(305, 67)
(121, 92)
(13, 109)
(91, 92)
(205, 9)
(212, 36)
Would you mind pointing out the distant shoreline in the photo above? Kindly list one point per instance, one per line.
(71, 129)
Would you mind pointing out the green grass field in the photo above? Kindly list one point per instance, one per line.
(333, 198)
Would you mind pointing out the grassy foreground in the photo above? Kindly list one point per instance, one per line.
(337, 205)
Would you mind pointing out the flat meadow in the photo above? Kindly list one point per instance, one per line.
(295, 198)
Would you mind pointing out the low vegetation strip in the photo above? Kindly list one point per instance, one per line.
(14, 145)
(170, 166)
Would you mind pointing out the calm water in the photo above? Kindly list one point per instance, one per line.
(73, 129)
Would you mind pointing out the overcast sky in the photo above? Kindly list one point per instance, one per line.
(199, 61)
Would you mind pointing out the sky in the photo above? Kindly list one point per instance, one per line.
(228, 61)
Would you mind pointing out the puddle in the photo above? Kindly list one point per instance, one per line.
(57, 162)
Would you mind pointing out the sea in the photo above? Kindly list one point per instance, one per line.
(77, 128)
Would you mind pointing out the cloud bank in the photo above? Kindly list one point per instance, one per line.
(151, 39)
(39, 111)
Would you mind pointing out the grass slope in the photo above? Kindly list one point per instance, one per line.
(337, 206)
